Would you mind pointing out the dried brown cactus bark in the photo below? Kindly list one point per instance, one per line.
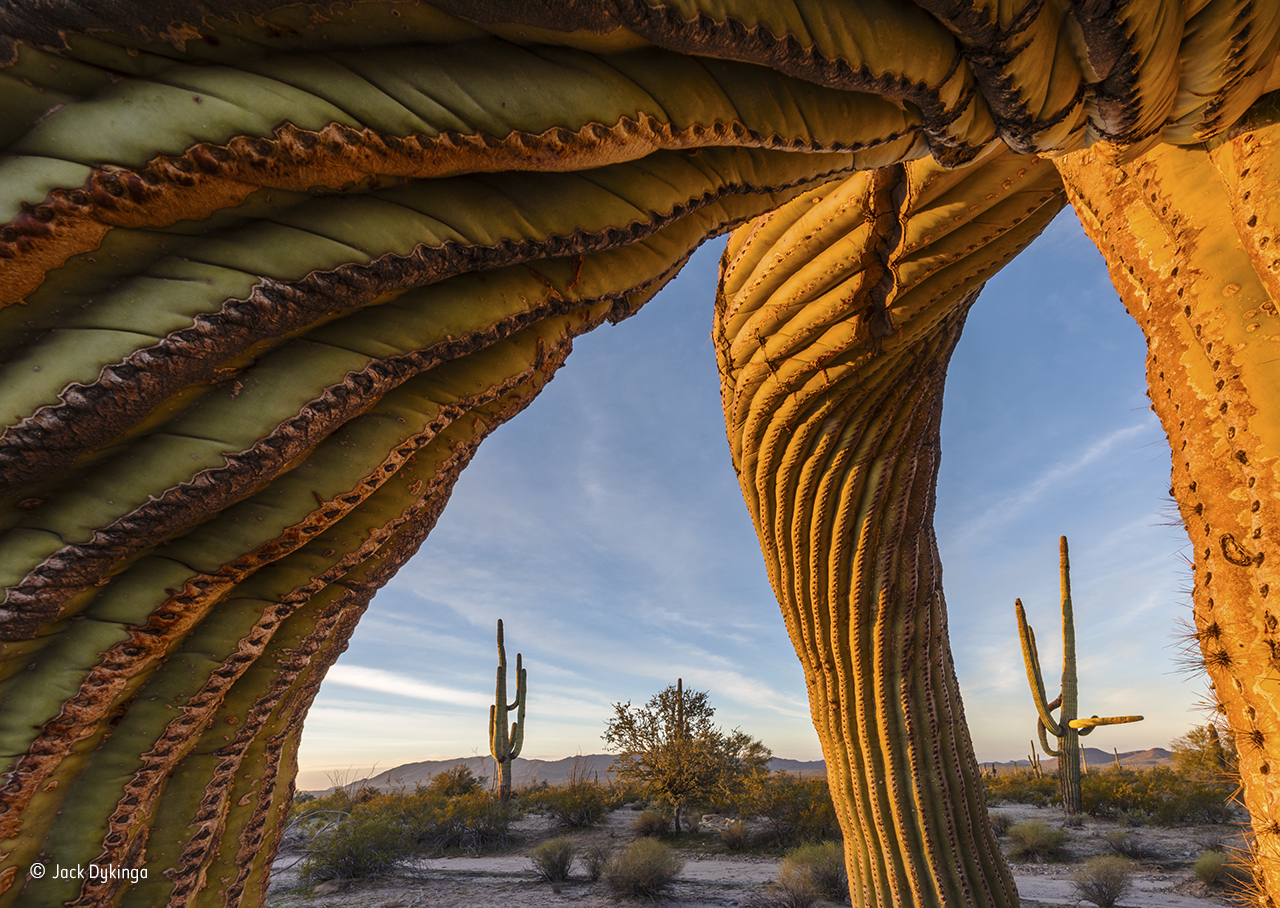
(835, 320)
(1186, 232)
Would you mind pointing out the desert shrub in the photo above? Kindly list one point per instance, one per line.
(434, 823)
(1022, 787)
(652, 824)
(735, 835)
(553, 859)
(823, 865)
(367, 843)
(456, 780)
(645, 869)
(1121, 842)
(1036, 840)
(794, 889)
(594, 859)
(1000, 823)
(581, 804)
(1210, 867)
(1104, 880)
(473, 822)
(794, 810)
(1160, 794)
(1217, 868)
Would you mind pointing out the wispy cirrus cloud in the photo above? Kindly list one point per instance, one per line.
(385, 682)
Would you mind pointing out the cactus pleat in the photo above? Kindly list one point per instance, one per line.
(269, 275)
(610, 109)
(833, 328)
(1202, 286)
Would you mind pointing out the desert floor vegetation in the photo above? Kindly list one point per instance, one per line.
(452, 844)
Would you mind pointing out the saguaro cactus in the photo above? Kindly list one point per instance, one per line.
(1066, 728)
(505, 746)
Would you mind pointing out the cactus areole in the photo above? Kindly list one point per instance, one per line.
(271, 272)
(503, 744)
(1067, 728)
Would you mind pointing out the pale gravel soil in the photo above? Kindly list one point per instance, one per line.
(717, 880)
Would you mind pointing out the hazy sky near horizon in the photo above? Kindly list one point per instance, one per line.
(605, 526)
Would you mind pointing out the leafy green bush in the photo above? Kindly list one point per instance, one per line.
(553, 859)
(823, 865)
(645, 869)
(456, 780)
(794, 810)
(1104, 880)
(1036, 840)
(367, 843)
(652, 824)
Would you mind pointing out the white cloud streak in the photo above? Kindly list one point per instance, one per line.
(385, 682)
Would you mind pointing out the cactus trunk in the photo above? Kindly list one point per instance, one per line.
(833, 343)
(1188, 238)
(503, 744)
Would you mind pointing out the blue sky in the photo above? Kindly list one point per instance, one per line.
(605, 527)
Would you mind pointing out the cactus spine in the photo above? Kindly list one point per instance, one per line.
(505, 746)
(1066, 728)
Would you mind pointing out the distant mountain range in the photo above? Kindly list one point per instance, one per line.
(1095, 758)
(556, 772)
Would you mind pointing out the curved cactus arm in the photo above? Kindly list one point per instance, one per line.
(1044, 740)
(517, 727)
(1031, 660)
(1087, 725)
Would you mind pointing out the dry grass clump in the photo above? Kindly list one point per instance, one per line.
(645, 869)
(735, 835)
(1036, 840)
(1219, 869)
(553, 859)
(594, 859)
(652, 824)
(1104, 880)
(1122, 843)
(823, 866)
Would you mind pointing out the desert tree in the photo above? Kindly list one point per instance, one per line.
(671, 749)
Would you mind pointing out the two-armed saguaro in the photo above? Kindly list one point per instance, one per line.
(503, 744)
(1067, 727)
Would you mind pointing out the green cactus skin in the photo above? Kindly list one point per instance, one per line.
(505, 746)
(1068, 728)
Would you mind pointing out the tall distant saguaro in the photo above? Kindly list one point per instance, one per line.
(505, 746)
